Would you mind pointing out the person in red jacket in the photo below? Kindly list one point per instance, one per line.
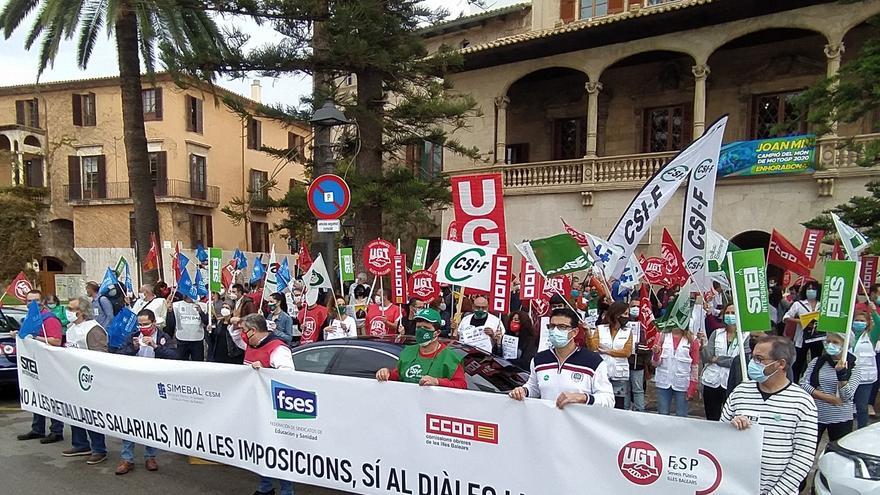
(312, 318)
(383, 318)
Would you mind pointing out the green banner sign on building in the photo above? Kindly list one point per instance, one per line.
(838, 296)
(215, 269)
(346, 265)
(748, 281)
(784, 155)
(420, 257)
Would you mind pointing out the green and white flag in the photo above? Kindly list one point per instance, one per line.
(215, 269)
(679, 314)
(851, 239)
(120, 266)
(420, 257)
(346, 264)
(838, 296)
(748, 277)
(554, 256)
(316, 278)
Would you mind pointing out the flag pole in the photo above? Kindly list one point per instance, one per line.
(339, 263)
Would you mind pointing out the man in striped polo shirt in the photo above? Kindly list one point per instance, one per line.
(786, 411)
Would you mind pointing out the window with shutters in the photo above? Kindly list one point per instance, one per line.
(33, 172)
(194, 111)
(85, 112)
(296, 146)
(198, 176)
(425, 159)
(567, 10)
(90, 177)
(200, 230)
(27, 113)
(258, 182)
(593, 8)
(259, 237)
(158, 161)
(254, 139)
(667, 128)
(516, 153)
(152, 99)
(569, 138)
(774, 113)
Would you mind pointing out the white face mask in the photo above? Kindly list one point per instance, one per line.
(71, 315)
(378, 300)
(443, 306)
(233, 296)
(224, 312)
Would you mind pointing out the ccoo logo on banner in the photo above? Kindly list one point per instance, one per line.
(479, 211)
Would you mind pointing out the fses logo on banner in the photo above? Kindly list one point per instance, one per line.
(498, 296)
(479, 210)
(466, 265)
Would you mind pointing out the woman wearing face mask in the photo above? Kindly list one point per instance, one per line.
(677, 359)
(429, 363)
(719, 353)
(867, 333)
(638, 361)
(358, 306)
(221, 346)
(278, 321)
(831, 379)
(519, 325)
(54, 305)
(614, 341)
(805, 339)
(341, 325)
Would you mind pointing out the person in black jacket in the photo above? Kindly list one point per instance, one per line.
(519, 324)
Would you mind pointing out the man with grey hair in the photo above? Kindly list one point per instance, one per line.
(157, 305)
(360, 280)
(786, 411)
(85, 333)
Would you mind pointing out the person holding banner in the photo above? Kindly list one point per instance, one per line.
(867, 333)
(567, 372)
(638, 361)
(677, 359)
(383, 318)
(719, 353)
(831, 379)
(613, 339)
(430, 363)
(806, 338)
(278, 321)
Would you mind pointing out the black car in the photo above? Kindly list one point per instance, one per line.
(10, 319)
(362, 357)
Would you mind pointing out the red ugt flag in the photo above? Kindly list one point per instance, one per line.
(579, 236)
(646, 318)
(676, 273)
(20, 287)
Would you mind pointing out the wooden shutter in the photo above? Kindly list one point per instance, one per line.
(193, 188)
(567, 10)
(209, 230)
(92, 118)
(76, 101)
(162, 174)
(687, 124)
(19, 112)
(199, 122)
(74, 180)
(259, 137)
(102, 176)
(158, 114)
(265, 237)
(615, 6)
(36, 122)
(291, 144)
(189, 112)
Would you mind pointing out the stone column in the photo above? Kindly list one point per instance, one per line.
(593, 88)
(501, 103)
(834, 52)
(701, 73)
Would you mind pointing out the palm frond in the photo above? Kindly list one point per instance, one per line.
(13, 13)
(92, 22)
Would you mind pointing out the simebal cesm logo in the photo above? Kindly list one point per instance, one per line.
(467, 264)
(293, 403)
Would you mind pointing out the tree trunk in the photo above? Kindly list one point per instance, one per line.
(141, 184)
(370, 117)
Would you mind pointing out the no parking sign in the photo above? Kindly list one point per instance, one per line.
(329, 197)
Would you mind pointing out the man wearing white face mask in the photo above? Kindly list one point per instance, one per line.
(157, 305)
(567, 373)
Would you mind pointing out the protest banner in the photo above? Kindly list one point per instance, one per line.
(19, 287)
(556, 255)
(654, 270)
(420, 256)
(697, 219)
(377, 257)
(452, 233)
(346, 265)
(605, 255)
(783, 254)
(297, 426)
(810, 246)
(868, 273)
(783, 155)
(423, 286)
(676, 272)
(660, 188)
(398, 279)
(465, 265)
(499, 293)
(479, 210)
(838, 296)
(748, 282)
(531, 283)
(215, 276)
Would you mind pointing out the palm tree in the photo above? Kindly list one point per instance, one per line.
(174, 27)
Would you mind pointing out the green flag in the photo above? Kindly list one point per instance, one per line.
(215, 270)
(748, 282)
(838, 296)
(679, 314)
(555, 255)
(120, 266)
(346, 264)
(420, 257)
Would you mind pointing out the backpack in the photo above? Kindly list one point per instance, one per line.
(117, 300)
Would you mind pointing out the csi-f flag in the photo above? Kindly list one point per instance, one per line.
(838, 296)
(317, 276)
(553, 256)
(604, 254)
(748, 282)
(852, 240)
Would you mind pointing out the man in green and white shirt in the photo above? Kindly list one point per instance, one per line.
(430, 363)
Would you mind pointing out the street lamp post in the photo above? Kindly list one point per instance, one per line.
(323, 120)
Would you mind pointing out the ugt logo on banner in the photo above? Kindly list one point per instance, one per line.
(479, 210)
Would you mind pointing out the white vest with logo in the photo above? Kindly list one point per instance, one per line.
(675, 365)
(188, 322)
(866, 360)
(618, 367)
(78, 333)
(714, 375)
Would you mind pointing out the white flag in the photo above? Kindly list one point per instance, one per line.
(851, 239)
(316, 278)
(697, 218)
(605, 255)
(632, 273)
(271, 285)
(659, 189)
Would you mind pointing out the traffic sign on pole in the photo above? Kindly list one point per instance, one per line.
(329, 197)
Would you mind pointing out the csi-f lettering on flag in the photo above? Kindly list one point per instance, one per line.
(398, 278)
(499, 294)
(479, 210)
(661, 187)
(838, 296)
(555, 255)
(466, 265)
(748, 282)
(697, 220)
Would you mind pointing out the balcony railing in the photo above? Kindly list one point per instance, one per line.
(630, 171)
(168, 188)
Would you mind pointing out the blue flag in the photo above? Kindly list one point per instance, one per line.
(283, 275)
(240, 260)
(185, 286)
(201, 286)
(128, 286)
(201, 254)
(121, 328)
(33, 322)
(110, 280)
(259, 271)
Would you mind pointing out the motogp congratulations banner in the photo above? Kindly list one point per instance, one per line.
(785, 155)
(298, 426)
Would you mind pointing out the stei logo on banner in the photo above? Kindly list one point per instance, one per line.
(293, 403)
(28, 367)
(86, 378)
